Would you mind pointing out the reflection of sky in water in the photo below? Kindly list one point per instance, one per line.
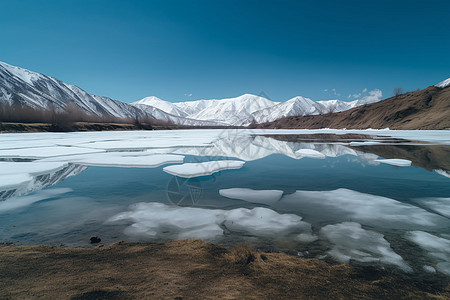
(329, 198)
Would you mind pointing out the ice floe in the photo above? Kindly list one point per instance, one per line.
(15, 185)
(395, 162)
(157, 220)
(190, 170)
(46, 152)
(438, 205)
(437, 248)
(254, 196)
(32, 168)
(18, 202)
(13, 180)
(352, 242)
(14, 174)
(344, 204)
(120, 159)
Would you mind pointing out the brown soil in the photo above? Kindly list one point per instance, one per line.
(423, 109)
(193, 269)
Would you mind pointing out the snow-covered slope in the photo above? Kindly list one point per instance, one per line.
(27, 88)
(297, 106)
(21, 86)
(234, 111)
(444, 83)
(165, 106)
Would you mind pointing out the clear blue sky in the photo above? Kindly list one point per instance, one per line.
(127, 50)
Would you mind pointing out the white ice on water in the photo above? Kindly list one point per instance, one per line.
(352, 242)
(344, 204)
(152, 220)
(438, 205)
(14, 203)
(14, 174)
(255, 196)
(42, 152)
(395, 162)
(190, 170)
(120, 159)
(437, 248)
(32, 168)
(13, 180)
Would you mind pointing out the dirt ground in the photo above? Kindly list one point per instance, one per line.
(192, 269)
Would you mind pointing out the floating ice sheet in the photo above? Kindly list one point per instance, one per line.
(437, 248)
(120, 159)
(395, 162)
(32, 168)
(190, 170)
(14, 203)
(344, 204)
(438, 205)
(15, 174)
(153, 220)
(46, 152)
(254, 196)
(352, 242)
(14, 180)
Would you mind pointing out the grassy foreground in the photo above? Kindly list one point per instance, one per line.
(192, 269)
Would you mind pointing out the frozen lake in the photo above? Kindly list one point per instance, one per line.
(376, 197)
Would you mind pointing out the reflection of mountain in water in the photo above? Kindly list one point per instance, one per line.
(428, 157)
(42, 181)
(249, 148)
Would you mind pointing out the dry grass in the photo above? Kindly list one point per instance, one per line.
(193, 269)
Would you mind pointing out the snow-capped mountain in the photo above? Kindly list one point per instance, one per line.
(27, 88)
(234, 111)
(165, 106)
(20, 86)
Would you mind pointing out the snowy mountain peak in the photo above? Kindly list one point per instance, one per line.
(444, 83)
(165, 106)
(20, 73)
(27, 88)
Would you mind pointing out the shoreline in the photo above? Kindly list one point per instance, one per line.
(193, 269)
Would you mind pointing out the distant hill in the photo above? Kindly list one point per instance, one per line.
(423, 109)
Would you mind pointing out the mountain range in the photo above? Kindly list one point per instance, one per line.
(30, 89)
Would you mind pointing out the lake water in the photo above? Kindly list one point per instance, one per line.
(362, 197)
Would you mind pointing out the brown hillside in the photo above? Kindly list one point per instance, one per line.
(423, 109)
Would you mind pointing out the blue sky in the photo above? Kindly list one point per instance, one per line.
(127, 50)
